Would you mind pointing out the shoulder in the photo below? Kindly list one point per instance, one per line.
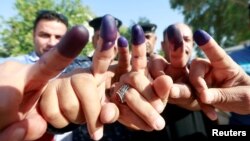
(20, 59)
(30, 58)
(82, 62)
(79, 62)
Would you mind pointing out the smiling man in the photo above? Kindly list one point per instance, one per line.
(49, 28)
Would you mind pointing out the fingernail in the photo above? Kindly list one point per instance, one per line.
(212, 115)
(159, 123)
(137, 35)
(160, 107)
(107, 45)
(18, 134)
(176, 92)
(73, 42)
(174, 36)
(122, 42)
(201, 37)
(108, 32)
(98, 134)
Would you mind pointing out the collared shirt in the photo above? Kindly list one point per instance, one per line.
(79, 62)
(30, 58)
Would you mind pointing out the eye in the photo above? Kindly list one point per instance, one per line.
(187, 39)
(44, 35)
(58, 37)
(147, 36)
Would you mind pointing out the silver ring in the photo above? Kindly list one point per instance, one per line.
(122, 91)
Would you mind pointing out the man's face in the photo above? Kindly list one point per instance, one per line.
(47, 34)
(179, 55)
(150, 42)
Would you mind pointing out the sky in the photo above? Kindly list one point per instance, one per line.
(158, 12)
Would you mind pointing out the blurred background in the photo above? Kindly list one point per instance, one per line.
(227, 21)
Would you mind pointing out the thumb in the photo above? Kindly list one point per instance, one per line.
(227, 96)
(109, 113)
(54, 61)
(28, 129)
(13, 133)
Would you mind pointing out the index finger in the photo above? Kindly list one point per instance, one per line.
(123, 54)
(213, 51)
(139, 57)
(123, 65)
(54, 61)
(104, 52)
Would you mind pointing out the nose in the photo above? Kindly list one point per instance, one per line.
(52, 41)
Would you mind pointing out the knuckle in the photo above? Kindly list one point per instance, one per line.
(52, 116)
(70, 109)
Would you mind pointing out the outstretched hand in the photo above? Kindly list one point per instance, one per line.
(220, 82)
(145, 99)
(80, 96)
(21, 87)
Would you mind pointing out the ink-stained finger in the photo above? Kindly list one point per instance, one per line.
(139, 57)
(104, 52)
(54, 61)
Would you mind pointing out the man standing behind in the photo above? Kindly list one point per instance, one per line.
(96, 24)
(114, 131)
(150, 36)
(49, 28)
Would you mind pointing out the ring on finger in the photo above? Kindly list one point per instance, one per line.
(122, 91)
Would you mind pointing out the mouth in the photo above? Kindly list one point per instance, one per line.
(47, 49)
(187, 52)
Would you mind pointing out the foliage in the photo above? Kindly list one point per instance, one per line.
(16, 32)
(226, 20)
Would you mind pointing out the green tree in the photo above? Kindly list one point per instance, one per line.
(226, 20)
(16, 31)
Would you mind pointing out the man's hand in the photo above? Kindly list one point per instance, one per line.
(21, 86)
(79, 97)
(219, 81)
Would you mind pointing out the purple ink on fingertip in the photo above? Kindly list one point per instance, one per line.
(175, 36)
(201, 37)
(108, 31)
(107, 45)
(122, 42)
(73, 41)
(137, 35)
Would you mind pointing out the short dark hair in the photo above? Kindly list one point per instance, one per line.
(96, 23)
(148, 27)
(51, 16)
